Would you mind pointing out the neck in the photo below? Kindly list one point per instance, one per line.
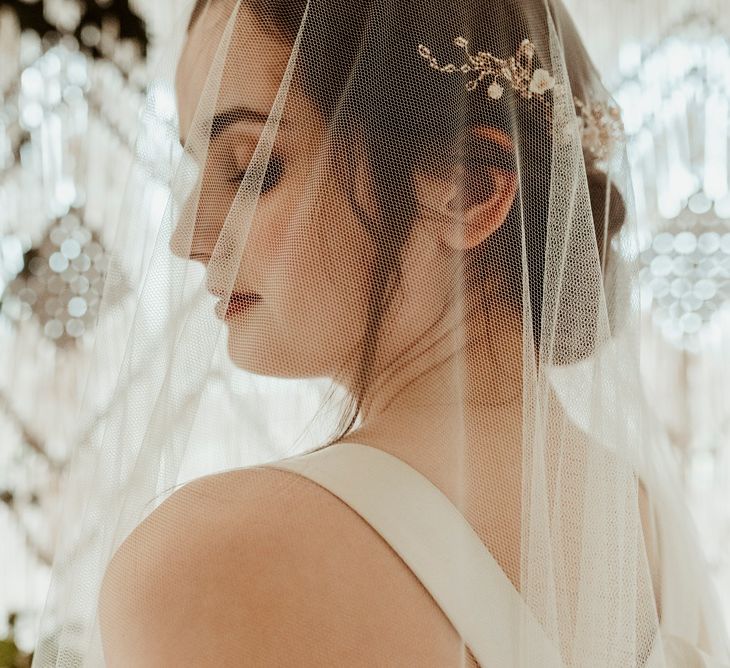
(452, 408)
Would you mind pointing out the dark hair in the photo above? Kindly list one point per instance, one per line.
(400, 134)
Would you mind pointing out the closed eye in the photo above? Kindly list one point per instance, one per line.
(274, 173)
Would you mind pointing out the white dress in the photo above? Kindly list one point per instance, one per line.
(430, 534)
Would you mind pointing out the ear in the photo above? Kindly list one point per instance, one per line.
(464, 224)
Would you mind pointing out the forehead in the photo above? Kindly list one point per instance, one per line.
(254, 60)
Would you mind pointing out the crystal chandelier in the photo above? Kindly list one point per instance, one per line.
(72, 82)
(675, 99)
(63, 67)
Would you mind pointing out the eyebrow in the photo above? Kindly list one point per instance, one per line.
(239, 114)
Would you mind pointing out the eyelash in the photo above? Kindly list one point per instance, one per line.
(275, 162)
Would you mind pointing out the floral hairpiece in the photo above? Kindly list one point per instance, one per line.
(599, 124)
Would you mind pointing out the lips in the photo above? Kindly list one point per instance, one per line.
(239, 302)
(244, 298)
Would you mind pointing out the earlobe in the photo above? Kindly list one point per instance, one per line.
(471, 225)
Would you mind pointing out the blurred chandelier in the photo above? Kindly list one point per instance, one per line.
(675, 100)
(71, 87)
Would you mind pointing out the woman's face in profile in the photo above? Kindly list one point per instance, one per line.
(303, 253)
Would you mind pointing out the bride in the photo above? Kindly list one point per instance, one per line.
(425, 208)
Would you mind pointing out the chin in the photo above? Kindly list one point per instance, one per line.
(255, 356)
(265, 358)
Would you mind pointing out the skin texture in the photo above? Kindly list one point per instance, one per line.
(276, 570)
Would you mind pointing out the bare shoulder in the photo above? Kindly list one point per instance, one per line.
(157, 593)
(261, 566)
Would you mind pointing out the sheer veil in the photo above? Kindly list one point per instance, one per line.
(407, 225)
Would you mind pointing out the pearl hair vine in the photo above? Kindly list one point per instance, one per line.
(599, 125)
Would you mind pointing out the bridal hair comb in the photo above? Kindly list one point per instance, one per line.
(598, 124)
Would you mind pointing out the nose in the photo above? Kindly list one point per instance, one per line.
(195, 236)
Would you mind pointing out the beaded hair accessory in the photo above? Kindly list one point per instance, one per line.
(598, 124)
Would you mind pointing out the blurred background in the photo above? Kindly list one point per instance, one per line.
(74, 77)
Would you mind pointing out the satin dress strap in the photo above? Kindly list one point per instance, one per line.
(434, 539)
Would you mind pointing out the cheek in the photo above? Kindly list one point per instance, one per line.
(310, 257)
(323, 295)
